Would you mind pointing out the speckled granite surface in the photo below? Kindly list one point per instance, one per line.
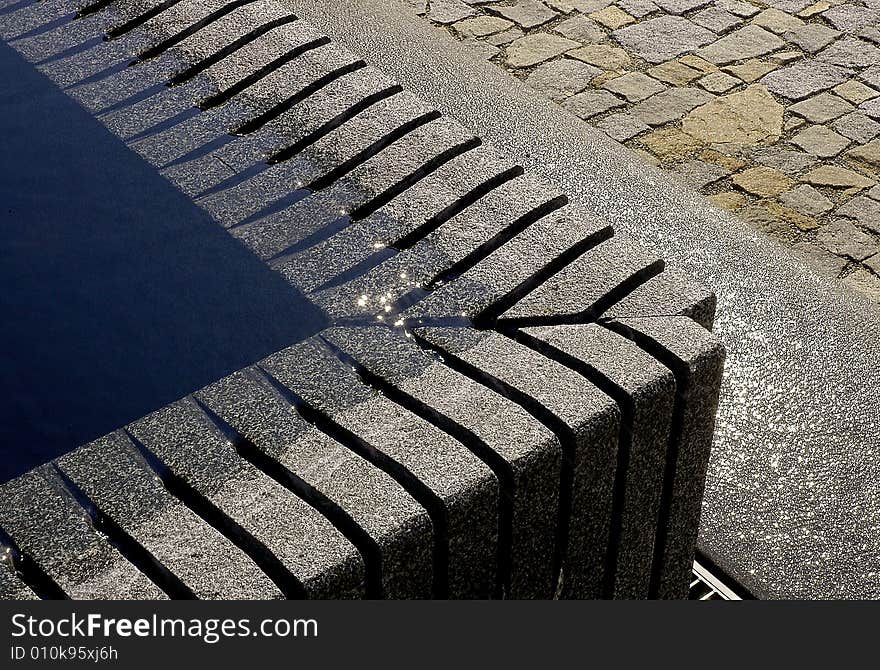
(370, 459)
(791, 506)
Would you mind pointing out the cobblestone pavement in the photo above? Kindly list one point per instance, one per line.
(771, 108)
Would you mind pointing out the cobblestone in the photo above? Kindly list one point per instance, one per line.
(669, 105)
(602, 55)
(858, 127)
(700, 174)
(821, 108)
(820, 141)
(718, 82)
(562, 78)
(805, 78)
(844, 239)
(634, 86)
(762, 181)
(591, 103)
(582, 29)
(537, 48)
(752, 70)
(864, 282)
(481, 26)
(819, 259)
(612, 17)
(525, 13)
(855, 91)
(777, 21)
(864, 210)
(808, 200)
(812, 36)
(658, 40)
(747, 42)
(446, 12)
(769, 107)
(716, 19)
(622, 127)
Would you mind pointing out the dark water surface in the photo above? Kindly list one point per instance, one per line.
(118, 295)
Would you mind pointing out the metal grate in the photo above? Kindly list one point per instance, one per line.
(707, 586)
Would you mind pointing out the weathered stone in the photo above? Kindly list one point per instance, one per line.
(699, 174)
(812, 36)
(568, 6)
(837, 177)
(508, 36)
(481, 26)
(481, 48)
(786, 57)
(681, 6)
(789, 6)
(812, 10)
(606, 76)
(821, 108)
(670, 144)
(871, 33)
(864, 282)
(844, 239)
(602, 55)
(820, 141)
(657, 40)
(851, 17)
(449, 11)
(864, 210)
(805, 78)
(867, 155)
(646, 157)
(807, 199)
(874, 263)
(874, 193)
(699, 64)
(792, 123)
(612, 17)
(764, 217)
(716, 19)
(718, 82)
(534, 49)
(674, 73)
(857, 127)
(762, 181)
(747, 117)
(850, 52)
(622, 127)
(800, 221)
(752, 70)
(634, 86)
(591, 103)
(731, 163)
(786, 160)
(526, 14)
(729, 200)
(819, 259)
(670, 105)
(747, 42)
(871, 108)
(737, 7)
(855, 91)
(638, 8)
(872, 76)
(582, 29)
(776, 21)
(562, 78)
